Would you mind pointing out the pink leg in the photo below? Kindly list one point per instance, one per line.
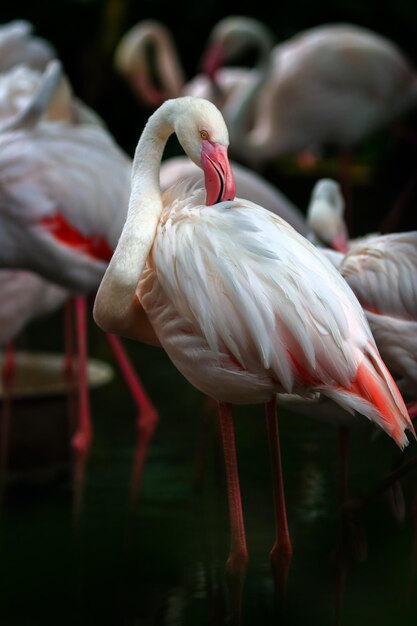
(147, 418)
(281, 553)
(81, 440)
(237, 562)
(8, 373)
(69, 364)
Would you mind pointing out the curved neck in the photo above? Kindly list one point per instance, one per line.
(145, 206)
(169, 72)
(240, 112)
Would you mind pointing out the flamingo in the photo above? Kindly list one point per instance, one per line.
(131, 61)
(325, 217)
(244, 306)
(19, 85)
(64, 190)
(382, 272)
(333, 84)
(18, 45)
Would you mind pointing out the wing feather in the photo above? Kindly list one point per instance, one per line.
(237, 274)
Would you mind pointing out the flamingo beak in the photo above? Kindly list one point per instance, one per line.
(218, 175)
(212, 60)
(340, 244)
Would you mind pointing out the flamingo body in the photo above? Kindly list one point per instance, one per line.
(355, 79)
(302, 328)
(53, 181)
(381, 270)
(244, 306)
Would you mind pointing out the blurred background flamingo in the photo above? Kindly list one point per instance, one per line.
(62, 221)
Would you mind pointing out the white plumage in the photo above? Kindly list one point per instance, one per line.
(244, 306)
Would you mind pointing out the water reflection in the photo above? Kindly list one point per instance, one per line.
(354, 568)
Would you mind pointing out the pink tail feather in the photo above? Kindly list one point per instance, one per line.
(375, 394)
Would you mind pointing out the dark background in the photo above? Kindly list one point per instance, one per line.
(85, 33)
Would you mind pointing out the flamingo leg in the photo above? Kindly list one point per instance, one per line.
(8, 373)
(69, 363)
(147, 414)
(281, 552)
(237, 562)
(69, 340)
(81, 441)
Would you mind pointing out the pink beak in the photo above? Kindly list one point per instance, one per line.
(340, 244)
(218, 175)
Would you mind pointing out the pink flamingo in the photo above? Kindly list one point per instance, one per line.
(325, 217)
(64, 192)
(382, 272)
(244, 306)
(333, 84)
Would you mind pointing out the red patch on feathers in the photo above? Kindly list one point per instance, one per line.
(369, 386)
(95, 247)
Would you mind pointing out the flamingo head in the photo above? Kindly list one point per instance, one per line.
(203, 134)
(325, 215)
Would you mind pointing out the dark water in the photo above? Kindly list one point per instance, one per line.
(169, 569)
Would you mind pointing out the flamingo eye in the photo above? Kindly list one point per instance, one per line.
(204, 134)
